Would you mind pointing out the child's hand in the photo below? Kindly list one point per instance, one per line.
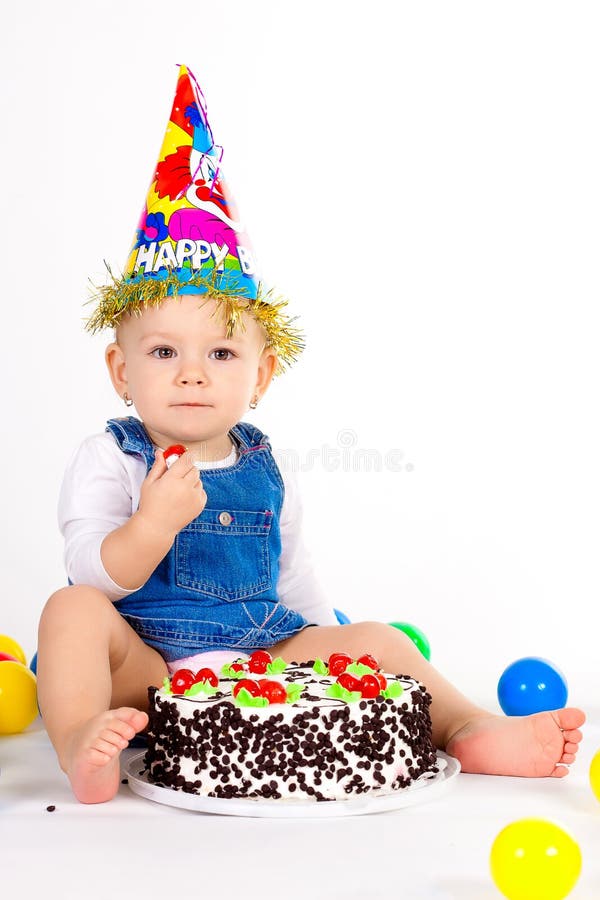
(171, 498)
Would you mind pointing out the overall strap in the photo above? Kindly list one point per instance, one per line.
(250, 438)
(131, 436)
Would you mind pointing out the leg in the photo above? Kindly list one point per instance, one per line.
(93, 675)
(537, 745)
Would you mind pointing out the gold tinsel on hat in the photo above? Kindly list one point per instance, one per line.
(125, 296)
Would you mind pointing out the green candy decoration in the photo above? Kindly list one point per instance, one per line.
(200, 687)
(228, 672)
(337, 692)
(416, 636)
(293, 692)
(393, 690)
(276, 667)
(358, 669)
(245, 698)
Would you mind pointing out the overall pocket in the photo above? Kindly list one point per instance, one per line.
(225, 554)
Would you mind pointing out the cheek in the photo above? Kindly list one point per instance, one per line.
(147, 379)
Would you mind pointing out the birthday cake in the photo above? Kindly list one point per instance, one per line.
(310, 731)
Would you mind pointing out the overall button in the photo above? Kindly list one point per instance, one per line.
(225, 518)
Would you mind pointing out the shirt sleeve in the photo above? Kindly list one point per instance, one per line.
(96, 496)
(297, 586)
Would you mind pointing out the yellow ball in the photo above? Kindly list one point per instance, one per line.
(532, 859)
(595, 775)
(18, 697)
(8, 645)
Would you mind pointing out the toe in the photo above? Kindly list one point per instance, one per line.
(570, 748)
(106, 747)
(573, 736)
(123, 729)
(100, 754)
(570, 718)
(560, 771)
(134, 717)
(114, 738)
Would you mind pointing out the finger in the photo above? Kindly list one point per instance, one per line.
(184, 464)
(159, 467)
(193, 475)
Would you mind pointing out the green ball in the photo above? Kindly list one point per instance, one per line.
(416, 635)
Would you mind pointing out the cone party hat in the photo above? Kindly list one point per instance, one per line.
(190, 238)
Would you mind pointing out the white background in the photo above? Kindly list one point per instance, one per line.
(422, 180)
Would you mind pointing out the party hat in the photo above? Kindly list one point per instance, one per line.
(190, 238)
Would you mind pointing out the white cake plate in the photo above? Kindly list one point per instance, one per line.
(418, 792)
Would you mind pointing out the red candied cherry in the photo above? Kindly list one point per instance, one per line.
(349, 682)
(382, 680)
(369, 687)
(273, 691)
(258, 662)
(368, 660)
(237, 667)
(207, 675)
(251, 686)
(176, 450)
(338, 662)
(181, 680)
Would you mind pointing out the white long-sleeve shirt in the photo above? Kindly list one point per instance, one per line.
(101, 490)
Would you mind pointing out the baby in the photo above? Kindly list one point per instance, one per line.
(204, 560)
(158, 595)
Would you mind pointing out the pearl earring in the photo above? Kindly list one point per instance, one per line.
(127, 399)
(254, 402)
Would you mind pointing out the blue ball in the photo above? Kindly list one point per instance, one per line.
(33, 664)
(341, 617)
(531, 685)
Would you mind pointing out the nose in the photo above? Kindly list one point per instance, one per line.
(192, 372)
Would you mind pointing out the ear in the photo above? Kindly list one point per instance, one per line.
(267, 365)
(117, 367)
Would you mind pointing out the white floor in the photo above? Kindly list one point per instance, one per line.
(132, 846)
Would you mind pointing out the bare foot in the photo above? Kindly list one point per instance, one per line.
(92, 759)
(530, 746)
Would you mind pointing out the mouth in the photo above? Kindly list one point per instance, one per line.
(193, 405)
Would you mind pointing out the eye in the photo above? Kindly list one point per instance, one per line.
(222, 354)
(163, 353)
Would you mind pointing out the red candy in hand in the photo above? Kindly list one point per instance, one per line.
(173, 452)
(207, 675)
(181, 680)
(338, 663)
(258, 662)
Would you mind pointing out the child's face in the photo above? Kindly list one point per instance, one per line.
(190, 384)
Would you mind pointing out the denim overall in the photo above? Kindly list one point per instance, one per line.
(217, 586)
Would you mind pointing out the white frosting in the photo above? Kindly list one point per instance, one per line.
(335, 749)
